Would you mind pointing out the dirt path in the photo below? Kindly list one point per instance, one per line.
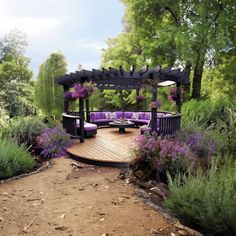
(86, 201)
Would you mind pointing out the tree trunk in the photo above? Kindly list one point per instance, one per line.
(187, 88)
(197, 77)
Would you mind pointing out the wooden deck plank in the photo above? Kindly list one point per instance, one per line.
(108, 146)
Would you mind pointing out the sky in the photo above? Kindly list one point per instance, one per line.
(77, 28)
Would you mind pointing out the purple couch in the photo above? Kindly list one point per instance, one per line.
(102, 118)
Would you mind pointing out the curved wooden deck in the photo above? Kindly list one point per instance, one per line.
(107, 148)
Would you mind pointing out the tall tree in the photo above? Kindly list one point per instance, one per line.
(48, 94)
(12, 45)
(182, 32)
(16, 84)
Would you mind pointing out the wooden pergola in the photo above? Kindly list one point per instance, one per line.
(119, 79)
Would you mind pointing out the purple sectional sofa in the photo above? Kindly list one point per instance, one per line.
(102, 118)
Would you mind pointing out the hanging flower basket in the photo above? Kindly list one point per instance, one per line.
(80, 91)
(173, 94)
(155, 104)
(140, 99)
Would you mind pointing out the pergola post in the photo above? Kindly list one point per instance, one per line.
(154, 109)
(178, 97)
(87, 109)
(137, 101)
(81, 114)
(66, 102)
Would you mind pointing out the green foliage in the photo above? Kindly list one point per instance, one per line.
(231, 117)
(204, 112)
(12, 45)
(216, 116)
(15, 76)
(213, 140)
(14, 160)
(174, 33)
(24, 130)
(123, 50)
(49, 94)
(3, 117)
(206, 200)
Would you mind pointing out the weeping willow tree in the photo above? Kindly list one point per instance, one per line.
(48, 94)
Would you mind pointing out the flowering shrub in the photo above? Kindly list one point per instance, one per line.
(145, 148)
(160, 155)
(54, 142)
(140, 98)
(156, 104)
(80, 91)
(173, 94)
(201, 143)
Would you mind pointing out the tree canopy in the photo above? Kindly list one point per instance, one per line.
(190, 34)
(48, 94)
(16, 84)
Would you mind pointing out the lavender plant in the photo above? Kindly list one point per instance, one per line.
(54, 142)
(161, 155)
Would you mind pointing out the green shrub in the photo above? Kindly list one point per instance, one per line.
(14, 160)
(206, 201)
(3, 117)
(203, 142)
(24, 130)
(52, 120)
(204, 112)
(231, 117)
(158, 155)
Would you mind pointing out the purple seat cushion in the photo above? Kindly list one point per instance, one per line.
(159, 114)
(103, 115)
(120, 114)
(89, 126)
(95, 115)
(128, 114)
(141, 115)
(147, 116)
(143, 121)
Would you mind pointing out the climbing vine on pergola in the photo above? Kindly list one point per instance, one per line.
(119, 79)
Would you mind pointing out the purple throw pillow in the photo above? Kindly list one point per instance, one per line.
(120, 114)
(141, 115)
(147, 116)
(128, 114)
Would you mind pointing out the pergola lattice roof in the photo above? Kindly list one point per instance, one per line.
(121, 79)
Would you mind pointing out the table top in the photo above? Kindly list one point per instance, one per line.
(121, 124)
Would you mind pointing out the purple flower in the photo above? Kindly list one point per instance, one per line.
(155, 104)
(54, 142)
(69, 95)
(79, 91)
(140, 98)
(201, 145)
(173, 94)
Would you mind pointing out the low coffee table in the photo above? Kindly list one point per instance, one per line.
(122, 125)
